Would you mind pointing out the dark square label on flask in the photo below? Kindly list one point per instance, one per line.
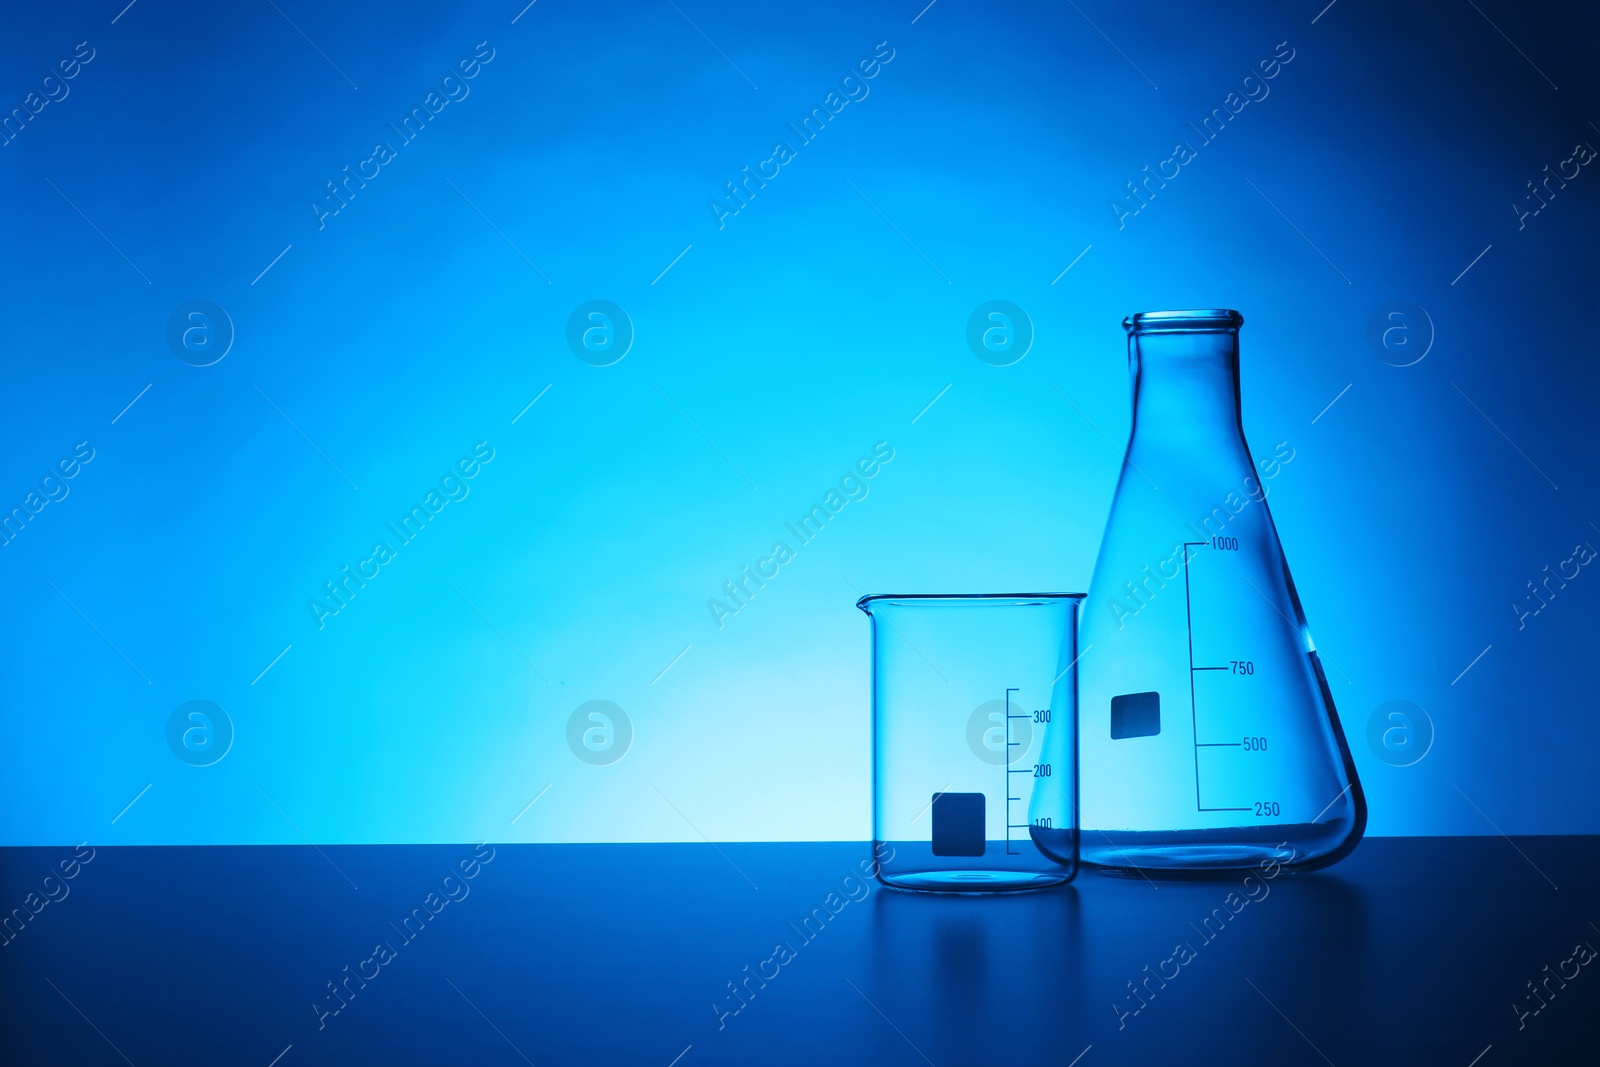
(958, 824)
(1135, 715)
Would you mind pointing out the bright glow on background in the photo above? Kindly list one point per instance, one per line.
(820, 319)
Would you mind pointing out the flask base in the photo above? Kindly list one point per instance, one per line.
(1302, 846)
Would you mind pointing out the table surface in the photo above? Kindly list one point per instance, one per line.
(1413, 950)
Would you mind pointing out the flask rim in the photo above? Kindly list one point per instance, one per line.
(1205, 320)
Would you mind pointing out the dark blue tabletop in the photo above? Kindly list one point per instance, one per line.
(1455, 951)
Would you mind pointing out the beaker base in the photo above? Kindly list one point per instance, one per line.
(972, 881)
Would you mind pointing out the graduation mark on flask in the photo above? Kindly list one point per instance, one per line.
(1241, 668)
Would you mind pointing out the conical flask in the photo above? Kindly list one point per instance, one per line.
(1207, 734)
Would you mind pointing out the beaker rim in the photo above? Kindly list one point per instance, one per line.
(1200, 320)
(873, 598)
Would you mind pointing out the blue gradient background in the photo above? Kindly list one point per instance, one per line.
(795, 337)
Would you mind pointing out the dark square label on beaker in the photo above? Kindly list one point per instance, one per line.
(1135, 715)
(958, 824)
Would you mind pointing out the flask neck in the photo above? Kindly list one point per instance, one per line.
(1185, 386)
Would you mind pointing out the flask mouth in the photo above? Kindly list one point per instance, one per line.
(1209, 320)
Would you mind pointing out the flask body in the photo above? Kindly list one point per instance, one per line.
(1208, 736)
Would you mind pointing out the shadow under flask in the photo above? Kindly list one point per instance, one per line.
(1207, 734)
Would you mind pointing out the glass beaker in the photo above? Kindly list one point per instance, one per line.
(963, 687)
(1207, 736)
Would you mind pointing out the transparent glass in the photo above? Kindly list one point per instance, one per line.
(1207, 735)
(963, 688)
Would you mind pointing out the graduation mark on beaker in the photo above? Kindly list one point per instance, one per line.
(1033, 770)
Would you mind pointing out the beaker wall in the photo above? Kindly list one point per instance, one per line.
(963, 688)
(1207, 734)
